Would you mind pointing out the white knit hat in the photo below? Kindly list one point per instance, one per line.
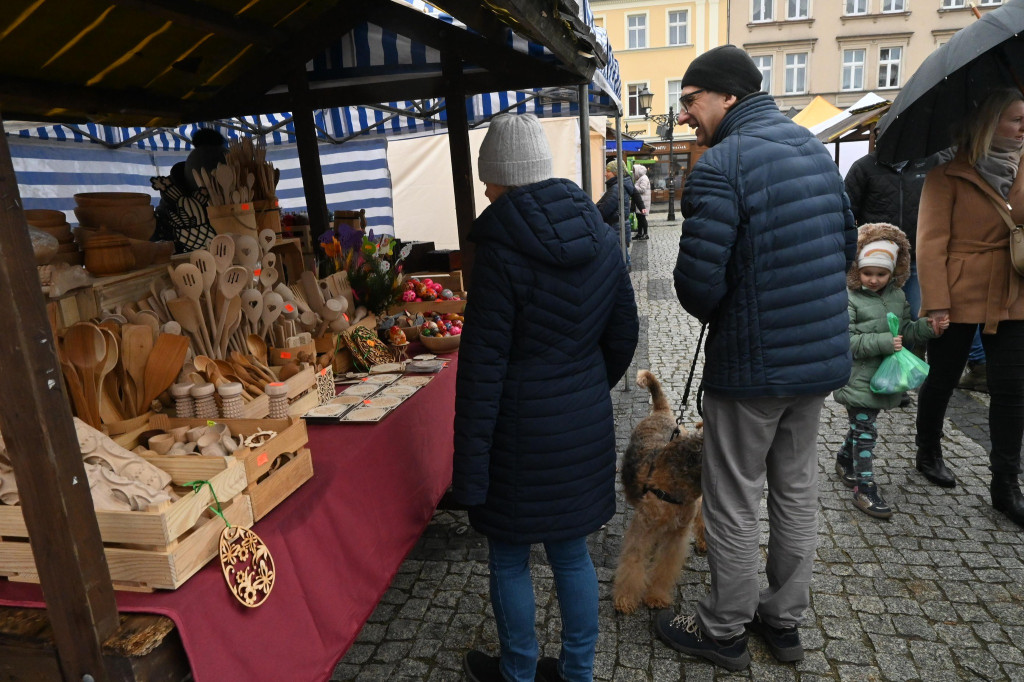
(514, 152)
(880, 254)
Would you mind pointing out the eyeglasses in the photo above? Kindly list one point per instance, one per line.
(687, 100)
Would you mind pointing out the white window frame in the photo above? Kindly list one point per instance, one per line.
(765, 69)
(673, 88)
(799, 5)
(886, 66)
(953, 4)
(762, 11)
(990, 3)
(677, 26)
(633, 100)
(855, 8)
(637, 31)
(894, 6)
(853, 71)
(796, 73)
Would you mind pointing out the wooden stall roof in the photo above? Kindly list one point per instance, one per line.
(164, 62)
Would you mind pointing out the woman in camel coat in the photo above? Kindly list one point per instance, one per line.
(966, 277)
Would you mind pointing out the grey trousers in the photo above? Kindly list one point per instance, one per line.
(747, 442)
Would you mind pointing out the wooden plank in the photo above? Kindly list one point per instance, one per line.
(43, 448)
(280, 483)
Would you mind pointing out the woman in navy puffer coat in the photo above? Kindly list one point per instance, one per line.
(551, 326)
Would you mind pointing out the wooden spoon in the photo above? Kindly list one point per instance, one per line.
(110, 408)
(232, 317)
(230, 372)
(266, 238)
(258, 349)
(184, 313)
(247, 252)
(207, 266)
(189, 282)
(273, 305)
(136, 347)
(244, 367)
(252, 308)
(86, 349)
(223, 249)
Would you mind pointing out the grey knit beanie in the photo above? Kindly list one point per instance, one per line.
(514, 152)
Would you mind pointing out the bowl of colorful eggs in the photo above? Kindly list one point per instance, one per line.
(441, 333)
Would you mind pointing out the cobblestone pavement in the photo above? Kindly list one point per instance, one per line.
(935, 593)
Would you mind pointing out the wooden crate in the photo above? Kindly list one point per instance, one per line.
(106, 293)
(275, 486)
(265, 491)
(449, 280)
(154, 549)
(436, 306)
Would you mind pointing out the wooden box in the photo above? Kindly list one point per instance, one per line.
(435, 306)
(107, 293)
(266, 484)
(449, 280)
(155, 549)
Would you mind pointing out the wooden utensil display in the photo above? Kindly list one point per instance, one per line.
(86, 348)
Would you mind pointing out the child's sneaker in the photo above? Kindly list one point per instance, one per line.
(867, 498)
(844, 467)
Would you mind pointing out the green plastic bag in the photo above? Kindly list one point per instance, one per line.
(902, 370)
(632, 222)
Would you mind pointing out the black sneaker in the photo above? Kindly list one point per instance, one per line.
(784, 643)
(547, 670)
(683, 634)
(844, 467)
(867, 498)
(480, 667)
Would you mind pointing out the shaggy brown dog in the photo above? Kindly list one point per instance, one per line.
(661, 478)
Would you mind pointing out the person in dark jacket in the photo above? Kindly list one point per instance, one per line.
(766, 241)
(551, 326)
(608, 204)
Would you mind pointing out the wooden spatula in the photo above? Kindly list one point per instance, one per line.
(164, 364)
(136, 347)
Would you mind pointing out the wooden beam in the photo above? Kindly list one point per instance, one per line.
(309, 159)
(476, 16)
(462, 161)
(208, 19)
(43, 448)
(535, 20)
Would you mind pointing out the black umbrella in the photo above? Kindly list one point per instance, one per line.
(926, 115)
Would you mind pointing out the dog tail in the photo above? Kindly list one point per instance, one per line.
(659, 402)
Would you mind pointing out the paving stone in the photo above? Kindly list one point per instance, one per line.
(936, 593)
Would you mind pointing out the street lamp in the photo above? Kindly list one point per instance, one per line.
(666, 129)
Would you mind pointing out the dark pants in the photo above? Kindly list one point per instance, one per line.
(947, 356)
(641, 225)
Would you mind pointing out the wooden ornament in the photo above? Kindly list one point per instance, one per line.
(247, 565)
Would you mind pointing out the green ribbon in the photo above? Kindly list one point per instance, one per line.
(197, 486)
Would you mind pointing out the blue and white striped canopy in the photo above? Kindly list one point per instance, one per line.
(369, 46)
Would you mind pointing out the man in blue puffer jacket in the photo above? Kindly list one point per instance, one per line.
(767, 239)
(551, 326)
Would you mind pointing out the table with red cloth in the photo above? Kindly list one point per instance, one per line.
(337, 542)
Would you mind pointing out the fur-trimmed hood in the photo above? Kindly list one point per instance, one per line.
(872, 232)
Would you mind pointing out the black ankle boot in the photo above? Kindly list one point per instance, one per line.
(929, 463)
(1007, 498)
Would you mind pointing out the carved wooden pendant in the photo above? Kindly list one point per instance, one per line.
(247, 564)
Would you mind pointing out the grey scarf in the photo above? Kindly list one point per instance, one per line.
(999, 166)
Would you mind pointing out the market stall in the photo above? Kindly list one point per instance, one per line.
(127, 67)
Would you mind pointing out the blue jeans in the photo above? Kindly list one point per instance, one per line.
(912, 290)
(514, 608)
(977, 353)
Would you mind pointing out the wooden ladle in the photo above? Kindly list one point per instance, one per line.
(86, 349)
(164, 365)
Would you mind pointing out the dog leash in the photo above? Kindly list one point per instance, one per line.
(689, 383)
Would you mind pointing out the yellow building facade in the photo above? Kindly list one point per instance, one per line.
(654, 42)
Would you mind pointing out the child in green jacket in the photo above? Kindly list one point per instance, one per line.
(874, 285)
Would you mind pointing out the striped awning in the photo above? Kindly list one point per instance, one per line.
(368, 50)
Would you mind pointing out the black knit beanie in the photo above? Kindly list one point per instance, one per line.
(725, 68)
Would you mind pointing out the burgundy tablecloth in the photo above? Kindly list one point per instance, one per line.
(337, 543)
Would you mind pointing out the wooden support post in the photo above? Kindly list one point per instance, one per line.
(462, 160)
(309, 156)
(584, 100)
(43, 448)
